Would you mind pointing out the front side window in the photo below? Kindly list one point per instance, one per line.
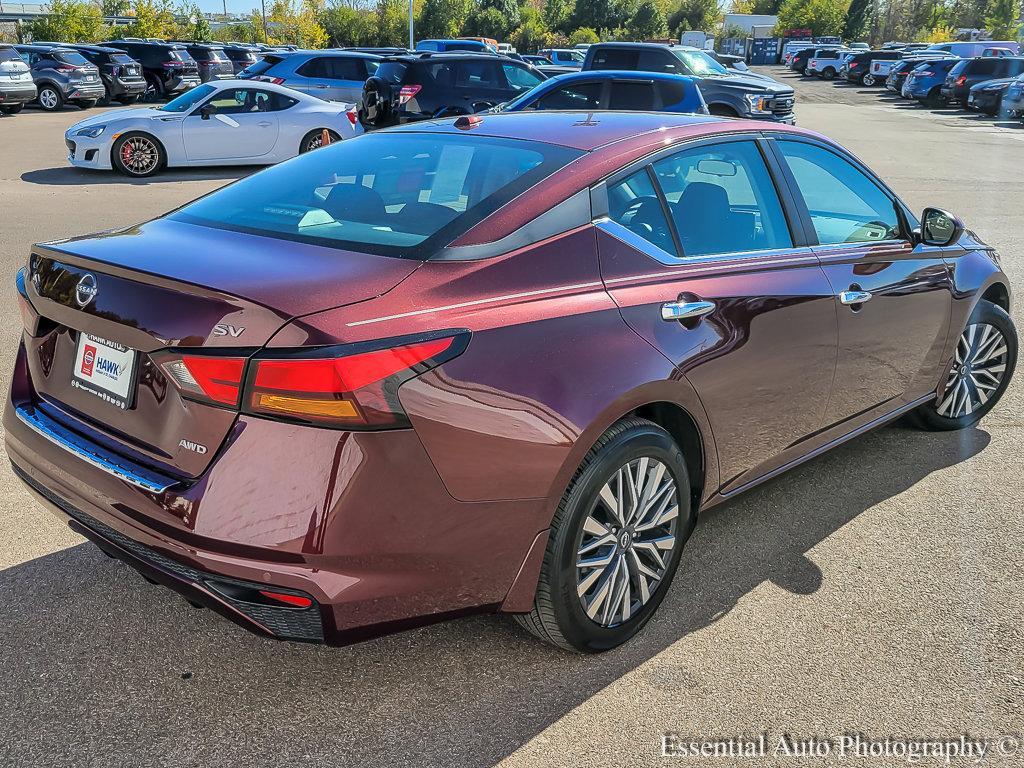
(699, 63)
(479, 74)
(634, 204)
(615, 58)
(723, 200)
(520, 78)
(240, 101)
(574, 96)
(845, 205)
(391, 194)
(188, 99)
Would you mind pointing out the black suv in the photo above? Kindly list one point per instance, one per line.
(241, 55)
(726, 92)
(421, 86)
(120, 73)
(858, 68)
(970, 72)
(212, 59)
(167, 67)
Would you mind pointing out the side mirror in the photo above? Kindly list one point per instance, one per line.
(939, 227)
(206, 112)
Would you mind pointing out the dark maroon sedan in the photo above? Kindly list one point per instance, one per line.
(495, 364)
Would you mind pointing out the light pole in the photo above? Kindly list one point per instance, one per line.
(266, 38)
(412, 44)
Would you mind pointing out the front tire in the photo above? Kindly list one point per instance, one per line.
(50, 98)
(983, 364)
(829, 73)
(869, 80)
(137, 155)
(615, 541)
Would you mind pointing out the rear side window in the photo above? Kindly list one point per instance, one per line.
(121, 58)
(615, 58)
(334, 68)
(844, 204)
(262, 66)
(397, 194)
(631, 96)
(391, 71)
(660, 61)
(9, 54)
(723, 200)
(1012, 67)
(73, 58)
(573, 96)
(634, 204)
(985, 66)
(479, 74)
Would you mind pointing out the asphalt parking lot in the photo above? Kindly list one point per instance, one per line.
(874, 590)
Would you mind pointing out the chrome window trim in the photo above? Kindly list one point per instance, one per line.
(92, 454)
(893, 242)
(803, 253)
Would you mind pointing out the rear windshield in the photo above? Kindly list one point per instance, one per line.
(262, 66)
(212, 54)
(398, 194)
(180, 54)
(71, 57)
(122, 58)
(391, 71)
(9, 54)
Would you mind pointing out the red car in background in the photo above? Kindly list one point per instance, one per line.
(497, 363)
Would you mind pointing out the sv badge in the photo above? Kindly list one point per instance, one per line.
(188, 445)
(234, 331)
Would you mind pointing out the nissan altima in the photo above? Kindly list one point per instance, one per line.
(498, 363)
(229, 122)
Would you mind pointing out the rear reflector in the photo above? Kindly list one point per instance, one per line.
(296, 600)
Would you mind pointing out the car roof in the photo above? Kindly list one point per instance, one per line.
(618, 74)
(47, 47)
(609, 141)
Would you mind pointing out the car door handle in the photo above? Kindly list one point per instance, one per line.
(854, 297)
(264, 124)
(685, 310)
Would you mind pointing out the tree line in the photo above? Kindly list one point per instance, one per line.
(527, 24)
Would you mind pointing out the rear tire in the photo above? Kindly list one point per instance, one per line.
(314, 140)
(594, 596)
(154, 89)
(126, 100)
(985, 358)
(138, 155)
(12, 109)
(829, 73)
(85, 103)
(50, 99)
(869, 80)
(934, 99)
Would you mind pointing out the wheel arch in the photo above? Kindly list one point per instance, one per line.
(999, 294)
(150, 134)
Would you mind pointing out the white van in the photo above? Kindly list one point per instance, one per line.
(968, 50)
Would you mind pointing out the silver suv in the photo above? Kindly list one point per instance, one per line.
(331, 75)
(62, 75)
(16, 84)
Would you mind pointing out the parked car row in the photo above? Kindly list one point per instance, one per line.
(984, 76)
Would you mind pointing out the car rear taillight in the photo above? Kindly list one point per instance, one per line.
(353, 116)
(961, 80)
(407, 92)
(343, 387)
(854, 64)
(172, 65)
(206, 378)
(268, 79)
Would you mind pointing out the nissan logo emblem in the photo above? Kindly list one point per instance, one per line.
(86, 290)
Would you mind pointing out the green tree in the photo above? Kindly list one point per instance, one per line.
(194, 23)
(392, 23)
(857, 21)
(115, 7)
(584, 35)
(443, 18)
(531, 35)
(153, 18)
(69, 21)
(557, 14)
(822, 17)
(648, 22)
(348, 26)
(698, 15)
(487, 22)
(1003, 19)
(243, 32)
(592, 14)
(296, 24)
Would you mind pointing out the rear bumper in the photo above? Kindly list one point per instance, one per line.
(181, 83)
(86, 91)
(19, 94)
(361, 523)
(118, 88)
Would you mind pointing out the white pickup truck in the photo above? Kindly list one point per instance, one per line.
(827, 62)
(880, 70)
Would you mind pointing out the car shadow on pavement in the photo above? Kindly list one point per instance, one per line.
(101, 667)
(72, 177)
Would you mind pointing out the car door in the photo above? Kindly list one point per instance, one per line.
(238, 123)
(519, 79)
(701, 257)
(479, 81)
(893, 297)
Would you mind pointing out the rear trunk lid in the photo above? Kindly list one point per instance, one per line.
(122, 299)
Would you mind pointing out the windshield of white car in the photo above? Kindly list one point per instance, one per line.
(188, 99)
(699, 63)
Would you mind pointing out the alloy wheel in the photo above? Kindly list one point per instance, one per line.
(48, 98)
(977, 371)
(139, 155)
(626, 540)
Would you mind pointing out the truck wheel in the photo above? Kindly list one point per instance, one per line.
(869, 80)
(829, 73)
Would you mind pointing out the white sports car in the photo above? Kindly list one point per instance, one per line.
(229, 122)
